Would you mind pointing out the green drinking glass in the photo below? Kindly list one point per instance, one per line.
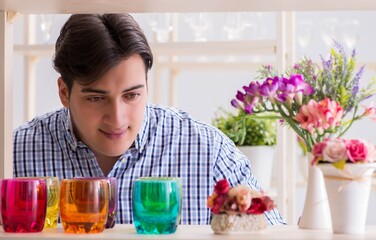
(157, 204)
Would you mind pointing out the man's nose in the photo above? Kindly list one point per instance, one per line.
(116, 114)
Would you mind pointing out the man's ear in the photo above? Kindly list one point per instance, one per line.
(63, 92)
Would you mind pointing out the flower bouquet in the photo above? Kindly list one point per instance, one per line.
(317, 103)
(237, 209)
(348, 166)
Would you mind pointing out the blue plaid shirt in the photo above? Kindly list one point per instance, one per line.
(170, 143)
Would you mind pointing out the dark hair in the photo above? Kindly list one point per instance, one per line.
(91, 44)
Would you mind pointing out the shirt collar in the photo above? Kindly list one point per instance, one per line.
(142, 135)
(68, 129)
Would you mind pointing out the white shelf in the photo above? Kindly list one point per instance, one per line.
(139, 6)
(215, 48)
(198, 232)
(183, 48)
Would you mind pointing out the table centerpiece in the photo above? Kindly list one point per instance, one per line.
(238, 209)
(316, 102)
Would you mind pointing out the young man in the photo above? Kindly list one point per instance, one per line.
(106, 127)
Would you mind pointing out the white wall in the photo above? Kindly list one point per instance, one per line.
(202, 92)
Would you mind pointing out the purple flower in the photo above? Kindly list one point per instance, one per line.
(341, 50)
(252, 89)
(269, 88)
(250, 102)
(294, 88)
(248, 109)
(355, 89)
(240, 96)
(326, 64)
(300, 85)
(368, 96)
(356, 79)
(250, 98)
(235, 103)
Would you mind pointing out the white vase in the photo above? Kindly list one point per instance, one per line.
(348, 192)
(262, 159)
(316, 212)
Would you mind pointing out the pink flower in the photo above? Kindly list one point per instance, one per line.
(319, 116)
(222, 187)
(268, 202)
(257, 207)
(210, 200)
(218, 203)
(343, 150)
(317, 151)
(335, 150)
(260, 205)
(308, 116)
(356, 150)
(239, 199)
(242, 195)
(332, 111)
(369, 111)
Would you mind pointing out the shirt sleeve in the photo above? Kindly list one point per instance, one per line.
(233, 165)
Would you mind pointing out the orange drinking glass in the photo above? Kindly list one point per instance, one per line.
(112, 198)
(84, 205)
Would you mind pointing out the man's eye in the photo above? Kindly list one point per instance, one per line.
(95, 99)
(131, 96)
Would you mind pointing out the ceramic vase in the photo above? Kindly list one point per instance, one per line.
(316, 212)
(262, 159)
(348, 193)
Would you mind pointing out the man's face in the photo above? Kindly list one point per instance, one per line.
(107, 115)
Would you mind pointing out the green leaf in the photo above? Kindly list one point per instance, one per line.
(248, 130)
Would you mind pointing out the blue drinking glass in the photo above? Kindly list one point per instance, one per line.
(157, 204)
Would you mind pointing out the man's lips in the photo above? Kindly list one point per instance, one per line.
(114, 135)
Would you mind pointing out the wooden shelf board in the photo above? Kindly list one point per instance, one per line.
(140, 6)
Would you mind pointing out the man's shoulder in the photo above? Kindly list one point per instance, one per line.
(171, 114)
(41, 122)
(182, 121)
(159, 111)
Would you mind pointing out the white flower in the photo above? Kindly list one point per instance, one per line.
(334, 150)
(243, 196)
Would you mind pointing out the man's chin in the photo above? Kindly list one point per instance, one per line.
(117, 153)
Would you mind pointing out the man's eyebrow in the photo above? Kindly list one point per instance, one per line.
(134, 88)
(94, 90)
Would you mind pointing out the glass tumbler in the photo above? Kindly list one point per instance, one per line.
(156, 204)
(113, 201)
(23, 204)
(112, 198)
(53, 192)
(84, 205)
